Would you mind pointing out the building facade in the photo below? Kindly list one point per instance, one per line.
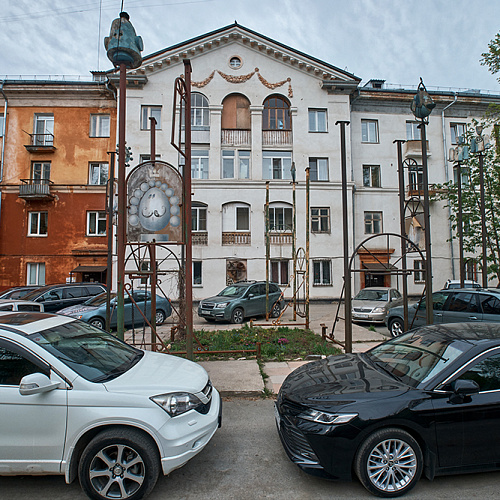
(54, 170)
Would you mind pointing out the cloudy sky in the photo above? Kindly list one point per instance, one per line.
(395, 40)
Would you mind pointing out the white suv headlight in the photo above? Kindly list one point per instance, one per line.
(177, 403)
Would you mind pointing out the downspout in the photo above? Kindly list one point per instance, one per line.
(3, 143)
(447, 178)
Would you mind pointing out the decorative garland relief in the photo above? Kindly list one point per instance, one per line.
(245, 78)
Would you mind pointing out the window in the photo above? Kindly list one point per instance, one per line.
(276, 114)
(43, 129)
(148, 112)
(1, 124)
(280, 218)
(235, 164)
(143, 158)
(412, 131)
(320, 220)
(200, 112)
(318, 169)
(235, 62)
(40, 172)
(486, 373)
(37, 223)
(369, 131)
(199, 164)
(279, 272)
(242, 219)
(322, 272)
(470, 269)
(464, 171)
(490, 304)
(13, 366)
(457, 130)
(317, 120)
(276, 165)
(98, 173)
(371, 175)
(419, 271)
(416, 178)
(96, 223)
(99, 125)
(197, 276)
(373, 222)
(35, 273)
(198, 218)
(236, 114)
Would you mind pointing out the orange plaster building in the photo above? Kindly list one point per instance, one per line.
(54, 144)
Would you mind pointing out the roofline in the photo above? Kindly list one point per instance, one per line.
(254, 33)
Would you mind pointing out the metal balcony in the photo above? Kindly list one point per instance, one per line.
(35, 189)
(41, 143)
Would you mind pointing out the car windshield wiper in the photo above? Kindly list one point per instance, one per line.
(382, 366)
(119, 370)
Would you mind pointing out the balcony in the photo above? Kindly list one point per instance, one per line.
(35, 189)
(414, 148)
(276, 137)
(417, 190)
(236, 238)
(41, 143)
(236, 137)
(199, 238)
(281, 238)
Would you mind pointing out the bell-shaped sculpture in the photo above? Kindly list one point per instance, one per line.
(422, 104)
(123, 45)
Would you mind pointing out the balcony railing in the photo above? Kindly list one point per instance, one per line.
(276, 137)
(281, 238)
(417, 190)
(199, 238)
(236, 238)
(41, 143)
(414, 148)
(35, 189)
(236, 137)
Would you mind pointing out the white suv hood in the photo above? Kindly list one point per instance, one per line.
(158, 373)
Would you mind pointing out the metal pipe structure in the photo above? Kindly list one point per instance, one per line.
(294, 242)
(460, 227)
(268, 250)
(400, 143)
(483, 221)
(345, 234)
(122, 194)
(308, 216)
(109, 273)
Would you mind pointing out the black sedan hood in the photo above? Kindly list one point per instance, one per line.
(339, 380)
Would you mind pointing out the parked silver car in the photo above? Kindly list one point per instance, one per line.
(20, 305)
(371, 304)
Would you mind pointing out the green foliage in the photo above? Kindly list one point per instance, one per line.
(492, 57)
(276, 343)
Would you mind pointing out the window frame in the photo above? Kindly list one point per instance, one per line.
(271, 114)
(413, 133)
(100, 217)
(196, 219)
(287, 214)
(43, 174)
(372, 169)
(283, 157)
(42, 214)
(236, 218)
(454, 128)
(321, 263)
(238, 158)
(45, 118)
(366, 122)
(198, 277)
(39, 271)
(316, 220)
(314, 123)
(2, 121)
(100, 165)
(98, 123)
(419, 271)
(369, 219)
(200, 168)
(315, 169)
(278, 269)
(150, 110)
(200, 112)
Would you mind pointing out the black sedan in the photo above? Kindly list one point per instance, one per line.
(425, 402)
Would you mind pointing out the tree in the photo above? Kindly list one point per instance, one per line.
(492, 57)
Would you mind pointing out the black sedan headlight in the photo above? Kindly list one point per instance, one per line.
(321, 417)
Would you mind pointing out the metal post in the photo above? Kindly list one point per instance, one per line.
(294, 251)
(399, 143)
(308, 216)
(460, 227)
(122, 194)
(427, 229)
(483, 221)
(345, 227)
(268, 250)
(187, 214)
(152, 260)
(109, 273)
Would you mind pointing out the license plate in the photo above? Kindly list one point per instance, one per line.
(277, 416)
(360, 315)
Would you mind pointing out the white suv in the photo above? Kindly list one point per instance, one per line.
(76, 401)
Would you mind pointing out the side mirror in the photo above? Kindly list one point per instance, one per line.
(251, 296)
(36, 383)
(465, 387)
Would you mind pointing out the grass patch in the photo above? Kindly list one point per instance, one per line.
(277, 344)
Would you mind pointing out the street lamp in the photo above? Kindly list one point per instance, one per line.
(422, 106)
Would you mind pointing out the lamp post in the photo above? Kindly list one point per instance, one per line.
(422, 106)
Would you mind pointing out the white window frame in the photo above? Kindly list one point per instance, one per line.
(200, 112)
(236, 160)
(284, 212)
(465, 174)
(40, 171)
(197, 220)
(419, 271)
(103, 168)
(372, 169)
(198, 280)
(456, 130)
(276, 165)
(370, 221)
(2, 124)
(318, 169)
(37, 219)
(96, 218)
(413, 133)
(147, 157)
(47, 120)
(317, 215)
(199, 163)
(146, 113)
(369, 131)
(322, 263)
(277, 264)
(35, 270)
(318, 120)
(100, 125)
(237, 222)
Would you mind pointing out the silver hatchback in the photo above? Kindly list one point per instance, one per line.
(371, 304)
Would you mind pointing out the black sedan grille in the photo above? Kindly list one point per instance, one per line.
(297, 443)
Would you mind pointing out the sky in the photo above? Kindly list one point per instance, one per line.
(398, 41)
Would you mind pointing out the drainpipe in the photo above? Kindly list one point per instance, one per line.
(3, 142)
(447, 177)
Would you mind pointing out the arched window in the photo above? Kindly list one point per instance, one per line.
(200, 113)
(236, 112)
(276, 114)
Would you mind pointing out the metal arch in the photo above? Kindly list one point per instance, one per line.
(144, 246)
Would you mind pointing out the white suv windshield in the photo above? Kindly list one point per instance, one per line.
(95, 355)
